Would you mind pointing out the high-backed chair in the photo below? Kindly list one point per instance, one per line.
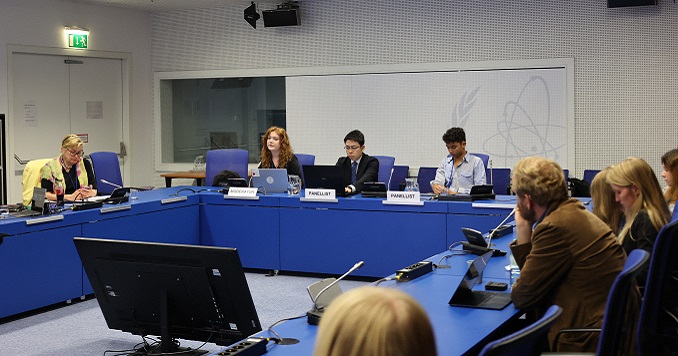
(485, 158)
(424, 178)
(660, 299)
(398, 176)
(305, 160)
(674, 217)
(566, 173)
(616, 333)
(31, 178)
(527, 341)
(233, 159)
(589, 174)
(386, 164)
(107, 167)
(501, 179)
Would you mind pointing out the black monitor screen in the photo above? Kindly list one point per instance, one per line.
(197, 292)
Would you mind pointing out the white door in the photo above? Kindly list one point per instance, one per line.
(53, 96)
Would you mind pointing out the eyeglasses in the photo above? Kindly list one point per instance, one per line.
(76, 154)
(351, 148)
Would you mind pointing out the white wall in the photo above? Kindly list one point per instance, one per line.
(40, 23)
(626, 77)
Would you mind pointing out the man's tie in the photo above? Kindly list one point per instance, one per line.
(354, 172)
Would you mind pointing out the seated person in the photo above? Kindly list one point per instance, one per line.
(670, 175)
(645, 211)
(370, 321)
(357, 167)
(605, 205)
(69, 170)
(222, 178)
(459, 171)
(276, 152)
(567, 256)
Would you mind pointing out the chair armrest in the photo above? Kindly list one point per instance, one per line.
(571, 330)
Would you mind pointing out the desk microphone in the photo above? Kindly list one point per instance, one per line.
(494, 231)
(111, 184)
(489, 163)
(314, 315)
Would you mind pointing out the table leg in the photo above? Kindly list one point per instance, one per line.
(168, 182)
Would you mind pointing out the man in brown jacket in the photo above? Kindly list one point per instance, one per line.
(567, 256)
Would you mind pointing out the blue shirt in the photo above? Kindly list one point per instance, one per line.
(470, 172)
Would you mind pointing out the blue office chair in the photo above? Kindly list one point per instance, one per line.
(233, 159)
(305, 160)
(654, 331)
(527, 341)
(424, 178)
(107, 167)
(385, 168)
(485, 158)
(674, 217)
(501, 179)
(566, 173)
(589, 174)
(398, 176)
(616, 334)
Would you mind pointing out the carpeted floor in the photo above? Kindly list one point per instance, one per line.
(80, 328)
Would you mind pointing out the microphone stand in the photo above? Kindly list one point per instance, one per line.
(313, 316)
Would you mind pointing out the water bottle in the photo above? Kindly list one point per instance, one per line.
(60, 191)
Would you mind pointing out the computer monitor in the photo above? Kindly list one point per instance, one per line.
(170, 290)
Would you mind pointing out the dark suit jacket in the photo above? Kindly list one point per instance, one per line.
(368, 171)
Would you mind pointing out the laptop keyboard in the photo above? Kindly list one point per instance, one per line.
(480, 297)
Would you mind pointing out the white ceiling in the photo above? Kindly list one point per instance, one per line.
(172, 5)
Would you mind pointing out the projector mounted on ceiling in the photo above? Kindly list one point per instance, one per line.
(287, 14)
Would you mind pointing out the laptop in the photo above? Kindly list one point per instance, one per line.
(478, 192)
(327, 177)
(37, 204)
(270, 180)
(465, 296)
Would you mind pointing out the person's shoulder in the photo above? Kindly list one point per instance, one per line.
(369, 158)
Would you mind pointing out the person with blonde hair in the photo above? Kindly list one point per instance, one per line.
(276, 151)
(605, 205)
(371, 321)
(636, 188)
(567, 256)
(70, 170)
(670, 175)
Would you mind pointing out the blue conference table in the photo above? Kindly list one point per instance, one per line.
(458, 330)
(275, 232)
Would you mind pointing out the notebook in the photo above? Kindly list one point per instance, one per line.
(270, 180)
(478, 192)
(465, 296)
(327, 177)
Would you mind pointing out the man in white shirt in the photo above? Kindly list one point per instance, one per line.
(459, 171)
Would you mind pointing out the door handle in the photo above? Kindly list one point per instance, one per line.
(123, 150)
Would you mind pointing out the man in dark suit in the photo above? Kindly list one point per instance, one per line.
(357, 167)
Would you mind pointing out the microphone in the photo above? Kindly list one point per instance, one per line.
(489, 163)
(111, 184)
(388, 185)
(313, 316)
(494, 231)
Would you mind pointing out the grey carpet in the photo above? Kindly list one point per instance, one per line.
(80, 328)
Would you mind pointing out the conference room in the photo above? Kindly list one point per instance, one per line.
(401, 73)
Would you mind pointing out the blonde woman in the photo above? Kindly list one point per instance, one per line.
(670, 175)
(276, 151)
(636, 188)
(370, 321)
(605, 205)
(70, 170)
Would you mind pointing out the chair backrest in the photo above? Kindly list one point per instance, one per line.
(398, 176)
(424, 178)
(527, 341)
(305, 160)
(674, 217)
(107, 167)
(566, 173)
(485, 158)
(233, 159)
(501, 179)
(386, 164)
(616, 333)
(589, 174)
(31, 178)
(659, 295)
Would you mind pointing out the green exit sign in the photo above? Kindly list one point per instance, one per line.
(77, 41)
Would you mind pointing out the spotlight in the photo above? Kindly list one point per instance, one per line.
(251, 15)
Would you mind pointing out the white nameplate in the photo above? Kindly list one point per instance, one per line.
(402, 198)
(242, 192)
(320, 195)
(115, 208)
